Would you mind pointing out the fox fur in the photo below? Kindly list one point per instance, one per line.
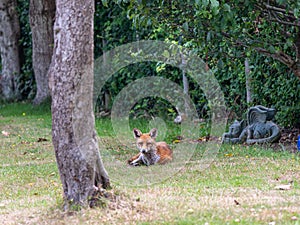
(151, 152)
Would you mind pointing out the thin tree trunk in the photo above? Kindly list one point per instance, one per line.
(185, 86)
(42, 14)
(9, 37)
(248, 82)
(74, 137)
(296, 67)
(186, 92)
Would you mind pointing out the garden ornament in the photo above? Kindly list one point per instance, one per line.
(259, 129)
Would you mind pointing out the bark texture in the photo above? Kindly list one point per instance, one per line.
(74, 137)
(42, 13)
(248, 82)
(9, 37)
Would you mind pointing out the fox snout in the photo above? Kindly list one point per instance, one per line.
(143, 150)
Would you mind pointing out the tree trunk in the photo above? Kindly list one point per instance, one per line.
(185, 86)
(9, 37)
(42, 14)
(248, 82)
(296, 66)
(74, 137)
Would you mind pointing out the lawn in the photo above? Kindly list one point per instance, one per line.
(239, 185)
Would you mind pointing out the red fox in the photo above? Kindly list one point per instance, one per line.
(151, 152)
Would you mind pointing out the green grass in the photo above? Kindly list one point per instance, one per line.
(238, 187)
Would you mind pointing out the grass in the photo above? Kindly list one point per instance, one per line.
(238, 187)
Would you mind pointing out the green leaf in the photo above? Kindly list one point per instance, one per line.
(166, 54)
(226, 7)
(272, 49)
(208, 36)
(296, 12)
(104, 2)
(205, 3)
(214, 3)
(186, 26)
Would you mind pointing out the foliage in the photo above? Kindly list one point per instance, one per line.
(223, 33)
(26, 82)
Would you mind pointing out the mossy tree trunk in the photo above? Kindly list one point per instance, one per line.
(9, 39)
(74, 137)
(42, 13)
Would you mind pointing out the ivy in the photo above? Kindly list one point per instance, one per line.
(223, 33)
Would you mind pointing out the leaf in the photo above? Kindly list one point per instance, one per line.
(171, 110)
(202, 139)
(104, 2)
(186, 26)
(208, 36)
(283, 187)
(296, 12)
(205, 3)
(5, 133)
(42, 139)
(272, 49)
(214, 4)
(226, 7)
(166, 54)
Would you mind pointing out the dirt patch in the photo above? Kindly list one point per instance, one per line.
(288, 140)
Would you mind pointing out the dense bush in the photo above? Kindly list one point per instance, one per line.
(273, 84)
(26, 82)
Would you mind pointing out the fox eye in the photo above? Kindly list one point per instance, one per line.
(140, 143)
(149, 144)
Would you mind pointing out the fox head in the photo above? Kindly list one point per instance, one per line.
(145, 142)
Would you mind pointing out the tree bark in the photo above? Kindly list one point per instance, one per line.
(185, 90)
(74, 137)
(9, 37)
(296, 66)
(42, 14)
(248, 82)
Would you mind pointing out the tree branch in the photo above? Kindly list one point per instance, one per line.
(278, 55)
(277, 9)
(285, 23)
(278, 14)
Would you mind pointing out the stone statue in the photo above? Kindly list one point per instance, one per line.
(260, 128)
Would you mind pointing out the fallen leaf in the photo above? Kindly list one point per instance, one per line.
(42, 139)
(190, 211)
(5, 133)
(283, 187)
(294, 218)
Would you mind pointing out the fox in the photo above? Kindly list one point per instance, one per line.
(151, 152)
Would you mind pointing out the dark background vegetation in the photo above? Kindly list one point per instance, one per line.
(273, 83)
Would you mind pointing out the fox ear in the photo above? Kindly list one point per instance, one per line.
(153, 133)
(137, 133)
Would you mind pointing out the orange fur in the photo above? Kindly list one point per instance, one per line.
(151, 152)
